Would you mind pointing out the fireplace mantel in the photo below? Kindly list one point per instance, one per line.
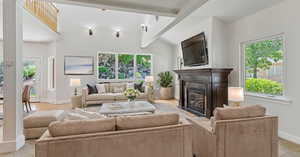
(202, 90)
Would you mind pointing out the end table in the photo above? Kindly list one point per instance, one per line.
(76, 101)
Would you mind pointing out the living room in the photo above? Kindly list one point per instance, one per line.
(113, 48)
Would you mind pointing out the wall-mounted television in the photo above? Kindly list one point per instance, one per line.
(194, 51)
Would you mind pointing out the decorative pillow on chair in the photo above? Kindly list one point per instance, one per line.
(92, 89)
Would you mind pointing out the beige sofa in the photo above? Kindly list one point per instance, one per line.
(161, 135)
(110, 95)
(37, 123)
(236, 132)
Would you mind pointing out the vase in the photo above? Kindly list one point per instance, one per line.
(131, 100)
(166, 93)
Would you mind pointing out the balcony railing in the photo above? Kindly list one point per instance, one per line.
(44, 11)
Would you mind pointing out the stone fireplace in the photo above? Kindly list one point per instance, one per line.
(202, 90)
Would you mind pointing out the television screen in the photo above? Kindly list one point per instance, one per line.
(195, 51)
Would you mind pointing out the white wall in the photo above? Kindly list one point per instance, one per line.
(281, 18)
(75, 41)
(154, 27)
(37, 50)
(216, 35)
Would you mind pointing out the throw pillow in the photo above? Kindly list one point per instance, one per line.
(139, 87)
(101, 88)
(130, 86)
(75, 116)
(118, 90)
(89, 115)
(92, 89)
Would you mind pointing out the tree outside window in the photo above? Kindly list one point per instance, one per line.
(126, 66)
(143, 66)
(130, 66)
(106, 66)
(264, 67)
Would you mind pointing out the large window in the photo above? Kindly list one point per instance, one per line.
(143, 65)
(263, 66)
(106, 66)
(125, 66)
(129, 66)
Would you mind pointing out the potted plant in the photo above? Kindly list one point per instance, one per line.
(165, 81)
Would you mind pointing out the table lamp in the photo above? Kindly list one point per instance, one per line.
(75, 83)
(149, 81)
(236, 95)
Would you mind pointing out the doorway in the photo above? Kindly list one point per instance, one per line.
(32, 76)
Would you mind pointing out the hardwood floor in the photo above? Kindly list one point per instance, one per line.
(286, 148)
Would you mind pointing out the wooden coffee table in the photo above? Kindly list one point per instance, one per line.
(120, 108)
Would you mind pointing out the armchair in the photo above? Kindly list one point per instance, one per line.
(249, 136)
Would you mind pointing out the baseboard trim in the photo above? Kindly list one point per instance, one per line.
(13, 145)
(289, 137)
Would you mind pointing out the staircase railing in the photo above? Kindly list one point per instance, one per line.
(44, 11)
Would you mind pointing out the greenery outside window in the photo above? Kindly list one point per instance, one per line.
(106, 66)
(129, 66)
(264, 66)
(125, 66)
(143, 65)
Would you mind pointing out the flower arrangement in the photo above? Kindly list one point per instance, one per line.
(131, 94)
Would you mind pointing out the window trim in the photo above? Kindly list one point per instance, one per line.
(117, 65)
(51, 73)
(282, 98)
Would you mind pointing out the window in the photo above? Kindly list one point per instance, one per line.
(128, 66)
(263, 66)
(106, 66)
(143, 66)
(125, 66)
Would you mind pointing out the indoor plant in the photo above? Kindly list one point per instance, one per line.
(165, 81)
(131, 94)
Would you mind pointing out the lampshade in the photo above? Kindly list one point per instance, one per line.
(149, 79)
(235, 94)
(75, 82)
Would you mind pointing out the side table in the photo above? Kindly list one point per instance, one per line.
(76, 101)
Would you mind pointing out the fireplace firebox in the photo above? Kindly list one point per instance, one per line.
(202, 90)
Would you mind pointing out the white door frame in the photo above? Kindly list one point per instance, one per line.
(39, 76)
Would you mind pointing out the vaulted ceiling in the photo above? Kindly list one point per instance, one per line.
(156, 7)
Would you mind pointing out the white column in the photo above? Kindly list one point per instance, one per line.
(13, 137)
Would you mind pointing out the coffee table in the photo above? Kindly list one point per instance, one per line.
(120, 108)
